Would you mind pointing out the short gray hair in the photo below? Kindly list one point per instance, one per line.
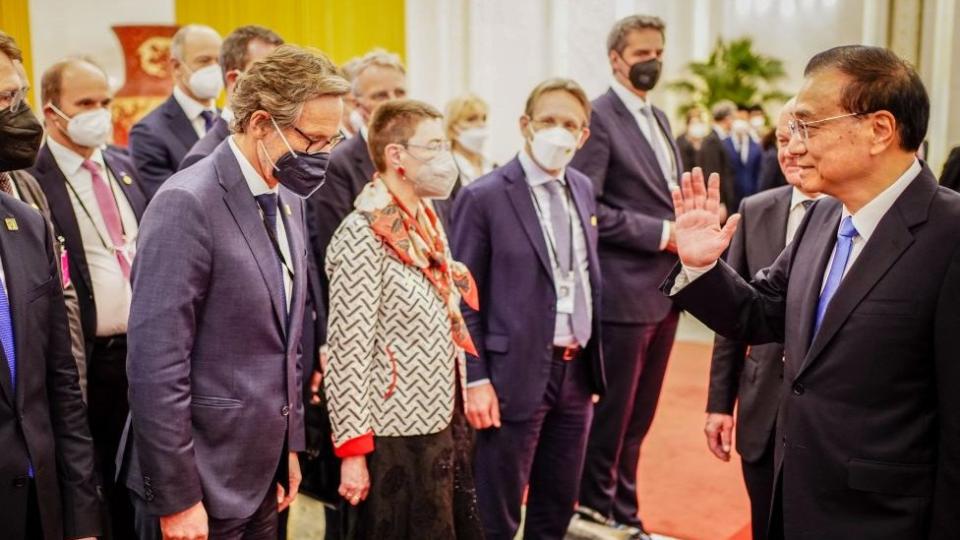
(180, 38)
(617, 38)
(376, 57)
(722, 110)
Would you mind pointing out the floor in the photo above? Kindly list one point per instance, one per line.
(685, 492)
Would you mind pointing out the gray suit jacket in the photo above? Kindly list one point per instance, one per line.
(752, 375)
(213, 366)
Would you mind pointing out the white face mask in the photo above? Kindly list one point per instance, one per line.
(553, 148)
(206, 82)
(473, 139)
(740, 126)
(698, 130)
(757, 122)
(436, 177)
(91, 129)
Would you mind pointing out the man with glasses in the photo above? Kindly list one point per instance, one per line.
(633, 161)
(219, 289)
(529, 389)
(866, 300)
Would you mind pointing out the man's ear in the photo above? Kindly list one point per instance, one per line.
(883, 126)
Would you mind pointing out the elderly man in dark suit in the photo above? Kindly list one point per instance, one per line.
(214, 364)
(750, 377)
(48, 484)
(529, 389)
(96, 204)
(240, 48)
(867, 302)
(161, 139)
(632, 159)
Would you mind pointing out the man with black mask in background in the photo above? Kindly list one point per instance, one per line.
(633, 161)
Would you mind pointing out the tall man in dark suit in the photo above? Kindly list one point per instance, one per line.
(96, 203)
(240, 48)
(867, 301)
(214, 365)
(713, 156)
(632, 160)
(48, 485)
(529, 390)
(751, 377)
(161, 139)
(745, 155)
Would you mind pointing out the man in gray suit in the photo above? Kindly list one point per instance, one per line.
(219, 281)
(752, 376)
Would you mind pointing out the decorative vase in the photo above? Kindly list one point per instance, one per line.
(149, 79)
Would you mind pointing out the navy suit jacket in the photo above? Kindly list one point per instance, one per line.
(43, 421)
(207, 144)
(515, 339)
(745, 175)
(633, 201)
(158, 143)
(65, 224)
(213, 367)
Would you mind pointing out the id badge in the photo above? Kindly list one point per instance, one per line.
(566, 286)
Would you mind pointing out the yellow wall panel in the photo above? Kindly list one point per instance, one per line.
(340, 28)
(15, 21)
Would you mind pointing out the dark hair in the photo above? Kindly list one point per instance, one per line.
(51, 82)
(8, 46)
(233, 52)
(394, 122)
(882, 81)
(617, 38)
(756, 107)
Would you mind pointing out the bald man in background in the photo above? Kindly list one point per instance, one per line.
(161, 139)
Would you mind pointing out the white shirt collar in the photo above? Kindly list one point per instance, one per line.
(69, 161)
(798, 197)
(227, 114)
(191, 107)
(867, 218)
(632, 101)
(536, 176)
(256, 183)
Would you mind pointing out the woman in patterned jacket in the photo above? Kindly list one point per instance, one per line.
(396, 368)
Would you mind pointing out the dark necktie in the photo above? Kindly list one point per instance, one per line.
(269, 203)
(209, 117)
(806, 204)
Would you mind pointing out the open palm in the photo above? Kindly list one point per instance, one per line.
(700, 238)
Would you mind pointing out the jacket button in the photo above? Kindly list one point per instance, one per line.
(20, 481)
(285, 410)
(798, 389)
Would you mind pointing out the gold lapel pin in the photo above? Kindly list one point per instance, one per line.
(11, 224)
(593, 220)
(126, 179)
(287, 208)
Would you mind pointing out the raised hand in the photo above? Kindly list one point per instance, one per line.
(700, 238)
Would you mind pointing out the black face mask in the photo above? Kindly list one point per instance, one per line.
(20, 137)
(644, 75)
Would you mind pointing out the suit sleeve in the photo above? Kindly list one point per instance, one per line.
(470, 240)
(150, 158)
(622, 227)
(170, 280)
(73, 443)
(945, 521)
(354, 268)
(728, 354)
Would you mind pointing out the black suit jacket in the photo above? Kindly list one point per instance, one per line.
(869, 423)
(752, 375)
(633, 201)
(770, 174)
(65, 222)
(688, 153)
(950, 177)
(714, 158)
(207, 144)
(159, 142)
(44, 422)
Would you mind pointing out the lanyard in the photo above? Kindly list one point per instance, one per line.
(86, 211)
(551, 242)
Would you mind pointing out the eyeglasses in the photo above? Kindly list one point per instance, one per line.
(572, 127)
(12, 100)
(434, 147)
(802, 128)
(326, 145)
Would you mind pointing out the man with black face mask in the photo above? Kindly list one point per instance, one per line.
(633, 161)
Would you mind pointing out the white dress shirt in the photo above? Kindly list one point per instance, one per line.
(111, 290)
(634, 104)
(192, 108)
(469, 173)
(258, 186)
(797, 211)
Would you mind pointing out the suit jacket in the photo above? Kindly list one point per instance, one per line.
(770, 174)
(213, 366)
(752, 375)
(515, 339)
(65, 224)
(950, 177)
(714, 158)
(870, 416)
(206, 145)
(633, 201)
(688, 153)
(158, 143)
(745, 174)
(43, 422)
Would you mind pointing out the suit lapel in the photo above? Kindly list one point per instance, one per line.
(771, 225)
(135, 197)
(586, 223)
(246, 213)
(665, 129)
(518, 191)
(14, 274)
(648, 158)
(292, 224)
(180, 124)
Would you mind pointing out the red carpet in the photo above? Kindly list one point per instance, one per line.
(686, 492)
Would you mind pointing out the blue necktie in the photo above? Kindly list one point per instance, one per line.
(209, 117)
(841, 256)
(269, 203)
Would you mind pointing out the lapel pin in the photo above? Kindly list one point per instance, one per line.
(35, 207)
(126, 179)
(287, 208)
(593, 220)
(11, 224)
